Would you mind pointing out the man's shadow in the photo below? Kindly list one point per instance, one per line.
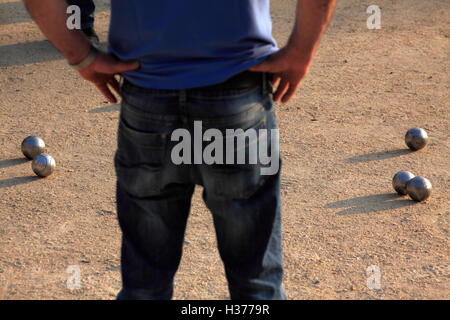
(114, 107)
(370, 204)
(378, 155)
(19, 54)
(13, 12)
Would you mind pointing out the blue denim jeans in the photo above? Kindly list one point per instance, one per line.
(87, 8)
(154, 194)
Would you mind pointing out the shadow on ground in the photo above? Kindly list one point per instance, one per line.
(28, 52)
(378, 155)
(370, 204)
(12, 162)
(15, 12)
(19, 54)
(114, 107)
(11, 182)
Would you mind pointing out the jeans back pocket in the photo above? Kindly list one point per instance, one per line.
(240, 177)
(140, 160)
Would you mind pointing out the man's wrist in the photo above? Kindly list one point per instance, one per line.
(87, 60)
(79, 49)
(300, 52)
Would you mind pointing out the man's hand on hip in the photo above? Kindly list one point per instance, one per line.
(291, 64)
(288, 68)
(101, 72)
(51, 16)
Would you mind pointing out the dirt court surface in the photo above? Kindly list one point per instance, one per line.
(342, 141)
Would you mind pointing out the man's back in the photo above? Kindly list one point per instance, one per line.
(184, 44)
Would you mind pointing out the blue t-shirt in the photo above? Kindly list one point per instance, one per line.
(184, 44)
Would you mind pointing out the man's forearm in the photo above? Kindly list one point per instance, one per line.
(51, 17)
(312, 19)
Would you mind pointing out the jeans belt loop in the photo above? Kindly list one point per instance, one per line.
(264, 83)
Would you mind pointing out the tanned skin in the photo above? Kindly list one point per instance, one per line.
(51, 16)
(291, 64)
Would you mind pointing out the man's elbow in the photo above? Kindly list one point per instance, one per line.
(328, 4)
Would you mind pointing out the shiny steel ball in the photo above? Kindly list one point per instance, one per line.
(43, 165)
(416, 138)
(32, 146)
(400, 180)
(419, 188)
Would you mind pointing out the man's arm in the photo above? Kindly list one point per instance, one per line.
(51, 17)
(291, 64)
